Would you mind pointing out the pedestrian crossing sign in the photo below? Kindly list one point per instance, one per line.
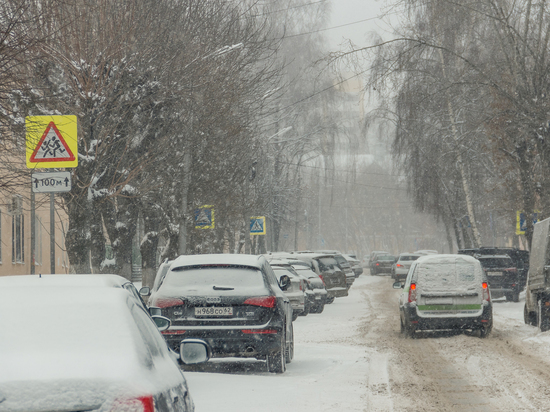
(257, 225)
(204, 217)
(51, 141)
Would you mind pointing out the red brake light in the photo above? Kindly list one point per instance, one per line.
(141, 404)
(263, 301)
(167, 302)
(398, 265)
(377, 264)
(173, 332)
(486, 295)
(321, 276)
(259, 331)
(412, 292)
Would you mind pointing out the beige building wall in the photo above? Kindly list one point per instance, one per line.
(15, 234)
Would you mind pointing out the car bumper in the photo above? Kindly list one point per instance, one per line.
(451, 322)
(231, 343)
(338, 292)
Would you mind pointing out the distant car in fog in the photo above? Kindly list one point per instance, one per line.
(355, 264)
(382, 264)
(401, 267)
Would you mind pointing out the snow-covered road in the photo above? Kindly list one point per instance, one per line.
(353, 358)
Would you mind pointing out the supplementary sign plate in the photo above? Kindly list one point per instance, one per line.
(52, 182)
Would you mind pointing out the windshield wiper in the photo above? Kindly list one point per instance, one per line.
(223, 288)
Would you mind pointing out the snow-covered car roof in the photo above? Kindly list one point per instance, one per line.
(255, 261)
(447, 258)
(73, 344)
(81, 280)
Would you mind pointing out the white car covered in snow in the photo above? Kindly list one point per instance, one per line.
(445, 292)
(83, 348)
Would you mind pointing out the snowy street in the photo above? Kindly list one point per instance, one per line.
(352, 357)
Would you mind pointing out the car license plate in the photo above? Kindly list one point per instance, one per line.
(494, 273)
(439, 301)
(214, 311)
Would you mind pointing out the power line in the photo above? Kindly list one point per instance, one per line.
(289, 8)
(331, 28)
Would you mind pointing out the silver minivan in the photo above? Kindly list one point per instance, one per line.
(445, 292)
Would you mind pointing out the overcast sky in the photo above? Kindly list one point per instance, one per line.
(358, 18)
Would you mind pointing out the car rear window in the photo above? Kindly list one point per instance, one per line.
(326, 263)
(496, 263)
(214, 275)
(408, 258)
(446, 275)
(385, 257)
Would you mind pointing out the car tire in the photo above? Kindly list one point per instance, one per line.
(485, 331)
(515, 296)
(402, 329)
(289, 347)
(320, 308)
(330, 300)
(276, 362)
(543, 321)
(294, 316)
(530, 318)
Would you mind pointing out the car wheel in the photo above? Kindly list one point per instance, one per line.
(330, 300)
(515, 296)
(276, 362)
(409, 330)
(289, 347)
(543, 321)
(294, 316)
(530, 318)
(485, 331)
(401, 324)
(320, 308)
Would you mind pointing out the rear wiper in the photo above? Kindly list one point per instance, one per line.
(223, 288)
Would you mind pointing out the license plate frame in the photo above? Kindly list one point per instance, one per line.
(213, 311)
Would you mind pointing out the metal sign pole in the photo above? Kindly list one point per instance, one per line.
(52, 232)
(33, 232)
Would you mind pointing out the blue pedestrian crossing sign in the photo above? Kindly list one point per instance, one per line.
(204, 217)
(257, 225)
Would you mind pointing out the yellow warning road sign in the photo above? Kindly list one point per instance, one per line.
(51, 141)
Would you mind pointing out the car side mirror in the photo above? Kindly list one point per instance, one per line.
(398, 285)
(145, 291)
(162, 322)
(154, 311)
(284, 282)
(193, 351)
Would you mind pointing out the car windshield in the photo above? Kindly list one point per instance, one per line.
(496, 262)
(214, 275)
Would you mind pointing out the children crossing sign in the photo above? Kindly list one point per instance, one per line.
(51, 141)
(257, 225)
(204, 217)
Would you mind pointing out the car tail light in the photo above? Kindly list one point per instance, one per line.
(259, 331)
(412, 292)
(263, 301)
(397, 265)
(141, 404)
(173, 332)
(321, 277)
(167, 302)
(378, 264)
(486, 295)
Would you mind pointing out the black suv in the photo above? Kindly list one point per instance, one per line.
(502, 275)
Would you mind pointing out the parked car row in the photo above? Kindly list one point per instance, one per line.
(244, 305)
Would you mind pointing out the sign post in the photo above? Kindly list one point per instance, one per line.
(51, 142)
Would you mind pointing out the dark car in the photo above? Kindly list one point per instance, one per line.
(502, 274)
(326, 266)
(75, 345)
(382, 264)
(314, 284)
(234, 303)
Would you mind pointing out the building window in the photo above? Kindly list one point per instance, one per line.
(18, 231)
